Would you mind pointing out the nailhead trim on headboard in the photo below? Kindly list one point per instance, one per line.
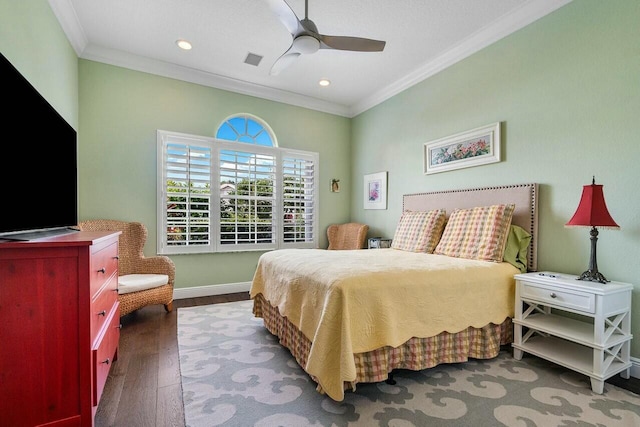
(521, 194)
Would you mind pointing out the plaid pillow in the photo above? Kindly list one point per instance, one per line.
(477, 233)
(419, 231)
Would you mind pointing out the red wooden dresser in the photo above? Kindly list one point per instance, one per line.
(59, 327)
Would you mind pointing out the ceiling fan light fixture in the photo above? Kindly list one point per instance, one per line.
(306, 44)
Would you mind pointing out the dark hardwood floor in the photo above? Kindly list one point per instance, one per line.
(143, 388)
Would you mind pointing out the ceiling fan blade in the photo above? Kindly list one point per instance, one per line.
(307, 40)
(351, 43)
(286, 15)
(288, 58)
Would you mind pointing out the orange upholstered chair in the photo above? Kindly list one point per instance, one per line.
(351, 235)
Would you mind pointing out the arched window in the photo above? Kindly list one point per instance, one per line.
(221, 196)
(248, 129)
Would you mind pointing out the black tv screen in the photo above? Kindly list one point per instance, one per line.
(38, 175)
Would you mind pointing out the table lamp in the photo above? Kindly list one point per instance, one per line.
(592, 212)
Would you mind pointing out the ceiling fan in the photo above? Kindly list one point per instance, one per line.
(307, 39)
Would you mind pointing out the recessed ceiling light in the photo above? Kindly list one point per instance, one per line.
(324, 82)
(183, 44)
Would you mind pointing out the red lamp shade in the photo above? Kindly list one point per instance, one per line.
(592, 210)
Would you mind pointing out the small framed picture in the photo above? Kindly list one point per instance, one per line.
(375, 191)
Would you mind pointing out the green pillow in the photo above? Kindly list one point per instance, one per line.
(515, 251)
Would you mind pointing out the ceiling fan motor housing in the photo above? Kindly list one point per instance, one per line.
(306, 44)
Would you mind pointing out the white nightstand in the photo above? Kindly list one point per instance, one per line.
(596, 343)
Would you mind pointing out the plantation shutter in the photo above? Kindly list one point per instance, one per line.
(247, 210)
(298, 199)
(188, 194)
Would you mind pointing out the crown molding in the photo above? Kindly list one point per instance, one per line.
(68, 19)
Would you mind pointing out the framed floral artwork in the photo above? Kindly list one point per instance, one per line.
(375, 191)
(474, 147)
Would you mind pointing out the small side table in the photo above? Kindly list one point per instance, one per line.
(379, 243)
(598, 348)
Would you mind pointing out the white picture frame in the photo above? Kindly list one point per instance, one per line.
(375, 191)
(479, 146)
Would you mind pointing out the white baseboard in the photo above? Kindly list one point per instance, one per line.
(231, 288)
(635, 367)
(205, 291)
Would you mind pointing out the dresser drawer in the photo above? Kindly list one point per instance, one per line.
(104, 264)
(104, 353)
(102, 306)
(575, 300)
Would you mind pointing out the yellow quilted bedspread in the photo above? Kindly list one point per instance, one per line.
(348, 302)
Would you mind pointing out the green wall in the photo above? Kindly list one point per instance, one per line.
(33, 41)
(567, 91)
(120, 112)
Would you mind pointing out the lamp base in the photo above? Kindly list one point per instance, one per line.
(593, 276)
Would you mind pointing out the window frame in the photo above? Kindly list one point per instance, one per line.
(248, 117)
(216, 146)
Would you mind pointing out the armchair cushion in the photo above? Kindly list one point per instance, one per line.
(139, 282)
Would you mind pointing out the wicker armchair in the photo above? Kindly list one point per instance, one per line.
(347, 236)
(133, 262)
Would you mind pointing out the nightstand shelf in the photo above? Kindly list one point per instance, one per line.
(598, 347)
(570, 329)
(570, 355)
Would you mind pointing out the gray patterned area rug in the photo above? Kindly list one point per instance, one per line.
(235, 373)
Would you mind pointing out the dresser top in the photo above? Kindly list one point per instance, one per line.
(74, 238)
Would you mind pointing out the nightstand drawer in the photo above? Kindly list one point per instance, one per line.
(575, 300)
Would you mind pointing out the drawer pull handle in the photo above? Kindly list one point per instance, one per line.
(102, 313)
(553, 295)
(102, 270)
(107, 361)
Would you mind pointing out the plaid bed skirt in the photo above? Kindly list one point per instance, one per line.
(415, 354)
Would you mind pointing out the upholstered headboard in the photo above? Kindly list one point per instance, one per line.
(524, 196)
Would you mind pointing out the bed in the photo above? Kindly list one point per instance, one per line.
(352, 317)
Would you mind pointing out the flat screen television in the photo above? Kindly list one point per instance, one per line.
(38, 172)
